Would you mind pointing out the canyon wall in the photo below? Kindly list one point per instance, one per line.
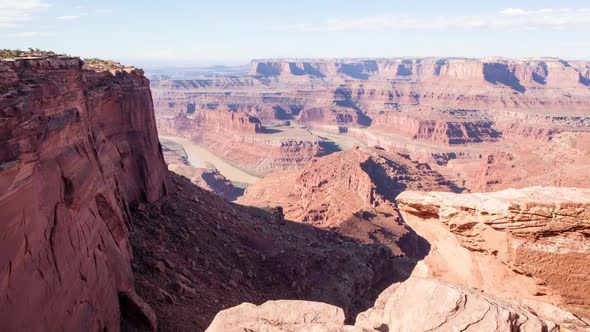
(241, 140)
(78, 147)
(559, 162)
(217, 121)
(430, 127)
(511, 72)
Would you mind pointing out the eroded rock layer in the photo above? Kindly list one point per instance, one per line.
(78, 147)
(532, 242)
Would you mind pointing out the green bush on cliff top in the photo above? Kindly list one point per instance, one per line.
(31, 52)
(95, 63)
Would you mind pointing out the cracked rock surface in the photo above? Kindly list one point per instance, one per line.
(417, 304)
(76, 148)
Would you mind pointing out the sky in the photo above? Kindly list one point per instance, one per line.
(182, 32)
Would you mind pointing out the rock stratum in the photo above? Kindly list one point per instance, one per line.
(78, 147)
(533, 242)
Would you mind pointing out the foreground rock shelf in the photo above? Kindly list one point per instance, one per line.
(532, 242)
(418, 304)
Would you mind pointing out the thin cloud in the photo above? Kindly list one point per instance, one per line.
(68, 17)
(29, 34)
(14, 12)
(509, 18)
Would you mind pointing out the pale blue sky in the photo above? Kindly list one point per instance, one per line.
(229, 31)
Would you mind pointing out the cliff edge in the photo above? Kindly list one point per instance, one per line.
(79, 147)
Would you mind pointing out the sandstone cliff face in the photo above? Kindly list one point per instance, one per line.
(418, 304)
(514, 73)
(216, 121)
(456, 131)
(78, 147)
(530, 242)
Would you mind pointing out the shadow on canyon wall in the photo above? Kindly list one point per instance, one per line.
(329, 146)
(500, 73)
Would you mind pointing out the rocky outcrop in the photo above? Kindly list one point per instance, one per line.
(418, 304)
(529, 242)
(78, 148)
(281, 315)
(352, 191)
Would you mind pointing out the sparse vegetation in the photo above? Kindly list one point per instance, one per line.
(101, 64)
(8, 54)
(31, 52)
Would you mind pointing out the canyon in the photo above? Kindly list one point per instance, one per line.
(470, 119)
(329, 195)
(390, 126)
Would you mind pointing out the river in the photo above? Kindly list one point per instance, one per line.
(200, 157)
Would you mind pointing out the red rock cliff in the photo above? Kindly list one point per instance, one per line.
(77, 148)
(212, 121)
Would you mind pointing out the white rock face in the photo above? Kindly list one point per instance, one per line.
(417, 304)
(282, 315)
(421, 304)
